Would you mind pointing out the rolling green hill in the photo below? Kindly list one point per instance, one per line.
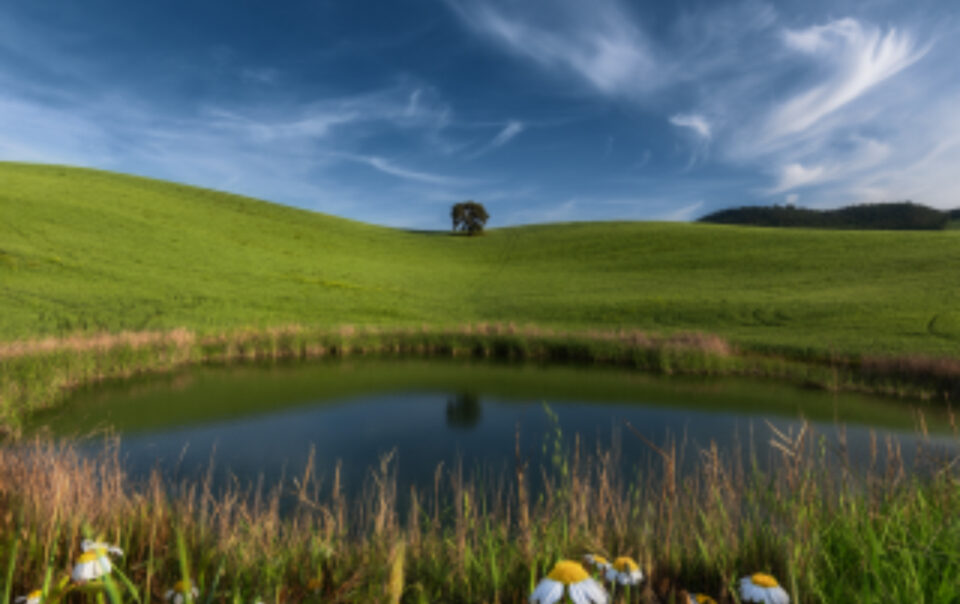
(84, 250)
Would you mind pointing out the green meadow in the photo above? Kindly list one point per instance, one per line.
(104, 276)
(84, 251)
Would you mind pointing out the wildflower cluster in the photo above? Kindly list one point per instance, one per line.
(90, 574)
(570, 579)
(94, 562)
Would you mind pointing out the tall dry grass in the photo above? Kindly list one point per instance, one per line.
(829, 531)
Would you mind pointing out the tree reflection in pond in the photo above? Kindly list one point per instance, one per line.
(464, 411)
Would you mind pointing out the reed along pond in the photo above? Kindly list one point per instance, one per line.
(250, 423)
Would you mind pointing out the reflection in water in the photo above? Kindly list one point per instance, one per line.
(464, 411)
(264, 421)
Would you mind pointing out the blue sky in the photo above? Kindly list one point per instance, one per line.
(543, 110)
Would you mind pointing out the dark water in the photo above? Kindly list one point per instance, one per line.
(262, 422)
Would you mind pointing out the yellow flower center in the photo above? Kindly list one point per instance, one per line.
(763, 580)
(704, 599)
(90, 556)
(568, 572)
(600, 560)
(181, 587)
(625, 564)
(314, 584)
(34, 595)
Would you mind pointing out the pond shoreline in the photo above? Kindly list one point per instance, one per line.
(465, 539)
(39, 374)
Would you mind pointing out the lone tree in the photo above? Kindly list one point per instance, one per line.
(469, 217)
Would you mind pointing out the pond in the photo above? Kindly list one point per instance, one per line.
(261, 422)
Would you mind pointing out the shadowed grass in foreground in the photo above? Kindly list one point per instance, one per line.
(890, 533)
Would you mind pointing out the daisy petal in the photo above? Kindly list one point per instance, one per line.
(594, 591)
(778, 596)
(577, 594)
(547, 592)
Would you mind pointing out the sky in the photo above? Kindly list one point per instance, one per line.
(542, 110)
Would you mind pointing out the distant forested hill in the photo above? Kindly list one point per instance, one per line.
(881, 216)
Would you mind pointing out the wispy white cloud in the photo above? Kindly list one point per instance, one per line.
(279, 149)
(509, 131)
(857, 58)
(391, 168)
(697, 123)
(512, 129)
(292, 160)
(797, 175)
(857, 157)
(700, 128)
(395, 106)
(312, 123)
(413, 103)
(596, 41)
(872, 105)
(921, 160)
(836, 107)
(482, 192)
(787, 102)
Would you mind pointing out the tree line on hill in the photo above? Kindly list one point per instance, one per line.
(904, 215)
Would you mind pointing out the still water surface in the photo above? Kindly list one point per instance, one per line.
(262, 421)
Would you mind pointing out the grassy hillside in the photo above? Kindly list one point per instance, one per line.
(83, 250)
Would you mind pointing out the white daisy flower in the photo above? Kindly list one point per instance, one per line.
(91, 565)
(599, 562)
(568, 576)
(178, 595)
(94, 562)
(761, 588)
(87, 545)
(31, 598)
(624, 571)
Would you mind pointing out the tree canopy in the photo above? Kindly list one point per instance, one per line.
(469, 217)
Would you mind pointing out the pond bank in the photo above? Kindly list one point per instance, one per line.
(38, 374)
